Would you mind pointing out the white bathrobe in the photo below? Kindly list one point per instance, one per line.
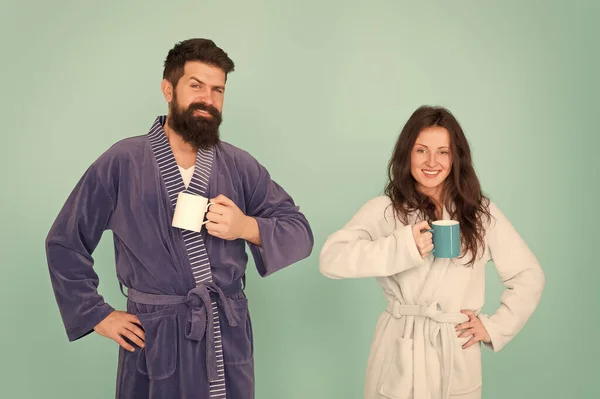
(416, 352)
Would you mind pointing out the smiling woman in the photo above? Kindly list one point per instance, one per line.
(431, 161)
(440, 175)
(427, 341)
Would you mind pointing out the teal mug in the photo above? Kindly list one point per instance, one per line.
(446, 238)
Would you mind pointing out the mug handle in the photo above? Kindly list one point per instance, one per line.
(207, 206)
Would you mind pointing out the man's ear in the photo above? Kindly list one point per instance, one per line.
(167, 90)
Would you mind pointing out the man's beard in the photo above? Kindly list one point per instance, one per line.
(197, 130)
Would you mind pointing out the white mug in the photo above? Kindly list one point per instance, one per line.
(189, 211)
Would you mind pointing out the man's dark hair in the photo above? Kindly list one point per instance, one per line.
(202, 50)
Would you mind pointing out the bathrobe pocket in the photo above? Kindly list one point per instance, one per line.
(158, 358)
(467, 367)
(397, 381)
(237, 341)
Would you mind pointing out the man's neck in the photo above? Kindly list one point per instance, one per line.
(185, 153)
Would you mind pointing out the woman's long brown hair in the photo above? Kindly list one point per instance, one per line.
(462, 195)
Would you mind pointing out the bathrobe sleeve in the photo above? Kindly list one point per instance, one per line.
(285, 233)
(521, 275)
(371, 244)
(70, 243)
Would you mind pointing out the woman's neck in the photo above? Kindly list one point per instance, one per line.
(436, 195)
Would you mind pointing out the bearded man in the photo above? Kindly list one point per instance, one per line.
(182, 206)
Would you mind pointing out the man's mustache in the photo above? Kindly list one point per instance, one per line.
(205, 107)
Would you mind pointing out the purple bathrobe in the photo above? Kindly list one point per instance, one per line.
(185, 287)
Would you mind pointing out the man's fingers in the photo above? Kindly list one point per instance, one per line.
(132, 318)
(119, 340)
(214, 217)
(132, 337)
(222, 200)
(217, 208)
(214, 228)
(136, 330)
